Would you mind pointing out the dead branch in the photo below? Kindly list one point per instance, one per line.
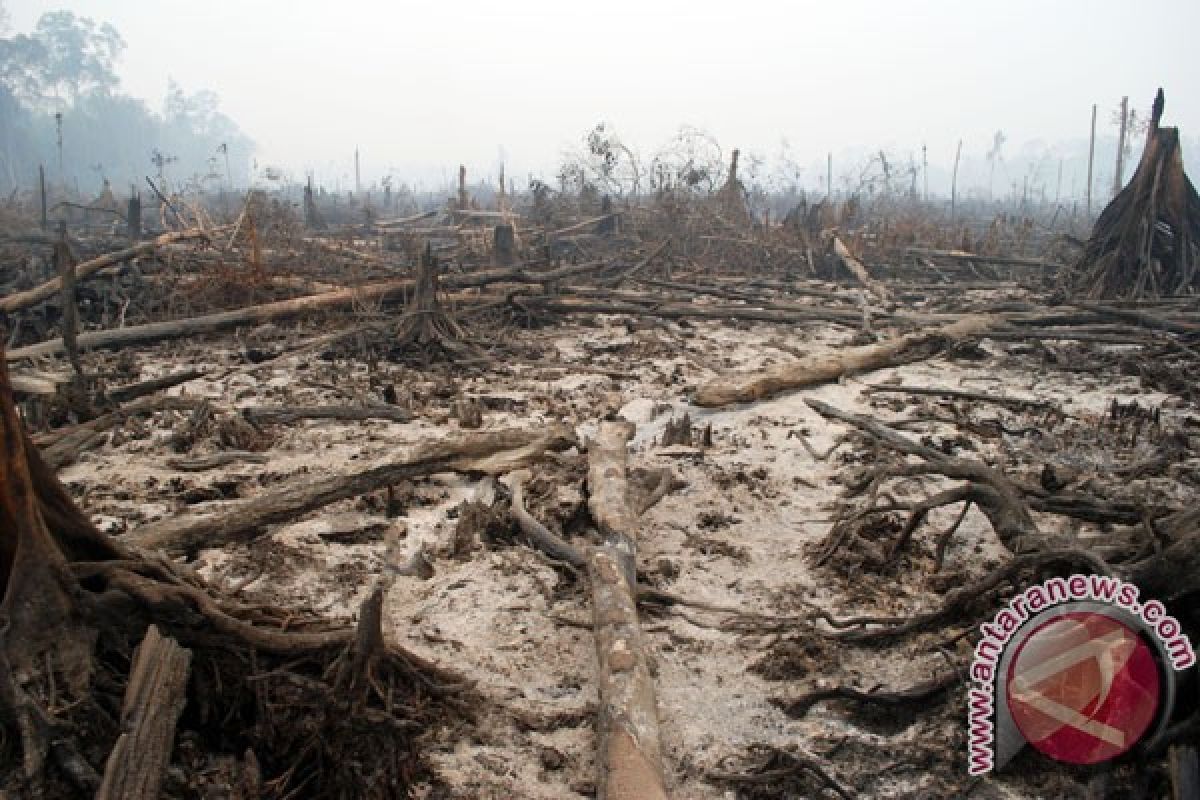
(492, 452)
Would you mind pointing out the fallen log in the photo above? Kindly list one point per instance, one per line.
(491, 452)
(215, 460)
(684, 310)
(268, 312)
(210, 323)
(31, 297)
(1017, 403)
(859, 270)
(630, 752)
(578, 226)
(393, 223)
(974, 258)
(1143, 319)
(281, 415)
(822, 368)
(154, 699)
(132, 391)
(44, 385)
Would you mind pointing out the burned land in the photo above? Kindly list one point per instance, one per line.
(558, 496)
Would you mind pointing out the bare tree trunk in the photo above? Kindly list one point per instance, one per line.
(818, 369)
(1120, 173)
(1091, 159)
(630, 751)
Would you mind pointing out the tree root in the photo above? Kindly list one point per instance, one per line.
(318, 710)
(919, 694)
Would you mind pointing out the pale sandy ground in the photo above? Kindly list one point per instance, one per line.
(499, 617)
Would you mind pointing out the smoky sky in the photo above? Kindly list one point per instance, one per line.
(422, 87)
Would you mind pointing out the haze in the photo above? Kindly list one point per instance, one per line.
(420, 88)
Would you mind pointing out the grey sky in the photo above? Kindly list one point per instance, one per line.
(422, 87)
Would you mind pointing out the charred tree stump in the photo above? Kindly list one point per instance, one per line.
(426, 324)
(312, 215)
(464, 197)
(504, 245)
(607, 226)
(133, 217)
(1146, 242)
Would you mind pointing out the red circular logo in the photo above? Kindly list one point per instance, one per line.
(1083, 688)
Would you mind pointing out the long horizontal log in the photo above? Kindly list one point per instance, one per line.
(974, 258)
(282, 309)
(253, 315)
(282, 415)
(1143, 319)
(1018, 403)
(31, 297)
(209, 323)
(578, 226)
(822, 368)
(491, 452)
(393, 223)
(685, 310)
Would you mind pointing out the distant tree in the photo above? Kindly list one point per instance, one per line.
(612, 165)
(691, 161)
(67, 66)
(63, 59)
(195, 128)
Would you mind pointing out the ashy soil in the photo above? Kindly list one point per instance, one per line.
(739, 534)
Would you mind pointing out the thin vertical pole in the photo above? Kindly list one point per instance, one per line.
(42, 189)
(954, 182)
(58, 128)
(925, 172)
(1118, 181)
(1058, 186)
(1091, 159)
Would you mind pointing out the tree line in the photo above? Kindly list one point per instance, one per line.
(62, 108)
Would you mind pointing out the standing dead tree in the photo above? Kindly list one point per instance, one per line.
(1147, 241)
